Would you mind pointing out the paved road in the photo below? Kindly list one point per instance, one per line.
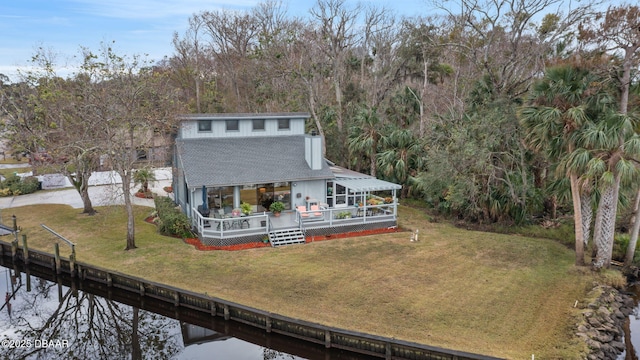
(107, 191)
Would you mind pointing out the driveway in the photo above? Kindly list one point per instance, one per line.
(106, 190)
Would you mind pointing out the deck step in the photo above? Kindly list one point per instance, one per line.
(286, 237)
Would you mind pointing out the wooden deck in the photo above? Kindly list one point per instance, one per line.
(236, 230)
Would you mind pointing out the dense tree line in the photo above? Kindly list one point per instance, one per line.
(488, 111)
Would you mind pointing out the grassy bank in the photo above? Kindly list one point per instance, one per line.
(494, 294)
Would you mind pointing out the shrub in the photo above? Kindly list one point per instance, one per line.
(620, 243)
(29, 185)
(171, 220)
(15, 185)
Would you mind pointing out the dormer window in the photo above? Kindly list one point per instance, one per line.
(258, 125)
(204, 125)
(232, 125)
(283, 124)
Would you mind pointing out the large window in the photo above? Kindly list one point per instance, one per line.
(204, 125)
(283, 124)
(221, 198)
(232, 125)
(266, 194)
(258, 125)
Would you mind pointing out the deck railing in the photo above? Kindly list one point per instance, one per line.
(260, 224)
(212, 227)
(348, 214)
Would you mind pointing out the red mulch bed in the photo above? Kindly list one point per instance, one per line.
(142, 195)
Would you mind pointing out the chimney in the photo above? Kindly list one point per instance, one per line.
(313, 151)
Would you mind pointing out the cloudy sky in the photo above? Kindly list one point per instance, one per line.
(136, 26)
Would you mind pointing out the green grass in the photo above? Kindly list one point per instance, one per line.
(7, 172)
(495, 294)
(12, 160)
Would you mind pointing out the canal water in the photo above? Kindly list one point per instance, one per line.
(632, 331)
(40, 319)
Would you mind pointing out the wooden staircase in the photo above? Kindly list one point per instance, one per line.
(286, 237)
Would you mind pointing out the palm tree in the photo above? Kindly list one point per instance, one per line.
(365, 134)
(614, 144)
(558, 110)
(401, 157)
(573, 116)
(143, 177)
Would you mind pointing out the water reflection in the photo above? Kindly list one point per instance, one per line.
(45, 320)
(632, 328)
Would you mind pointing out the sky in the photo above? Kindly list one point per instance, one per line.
(141, 27)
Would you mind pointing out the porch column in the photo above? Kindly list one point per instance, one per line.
(395, 204)
(191, 195)
(236, 197)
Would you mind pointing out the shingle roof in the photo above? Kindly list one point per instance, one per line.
(246, 161)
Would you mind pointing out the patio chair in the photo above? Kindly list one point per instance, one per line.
(316, 210)
(303, 211)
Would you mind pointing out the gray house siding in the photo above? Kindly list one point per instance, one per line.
(314, 189)
(189, 128)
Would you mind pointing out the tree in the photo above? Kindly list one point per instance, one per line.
(616, 145)
(233, 37)
(421, 50)
(557, 109)
(190, 62)
(56, 117)
(573, 113)
(133, 102)
(364, 136)
(618, 30)
(143, 177)
(401, 157)
(502, 40)
(335, 24)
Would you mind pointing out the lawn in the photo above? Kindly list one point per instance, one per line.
(494, 294)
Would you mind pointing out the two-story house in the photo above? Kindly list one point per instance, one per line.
(227, 162)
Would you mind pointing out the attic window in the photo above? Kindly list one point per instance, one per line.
(283, 124)
(204, 125)
(232, 125)
(258, 124)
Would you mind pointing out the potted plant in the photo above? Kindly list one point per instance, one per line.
(246, 208)
(276, 207)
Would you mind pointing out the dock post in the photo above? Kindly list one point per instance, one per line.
(14, 250)
(327, 339)
(72, 261)
(268, 324)
(213, 308)
(25, 249)
(56, 248)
